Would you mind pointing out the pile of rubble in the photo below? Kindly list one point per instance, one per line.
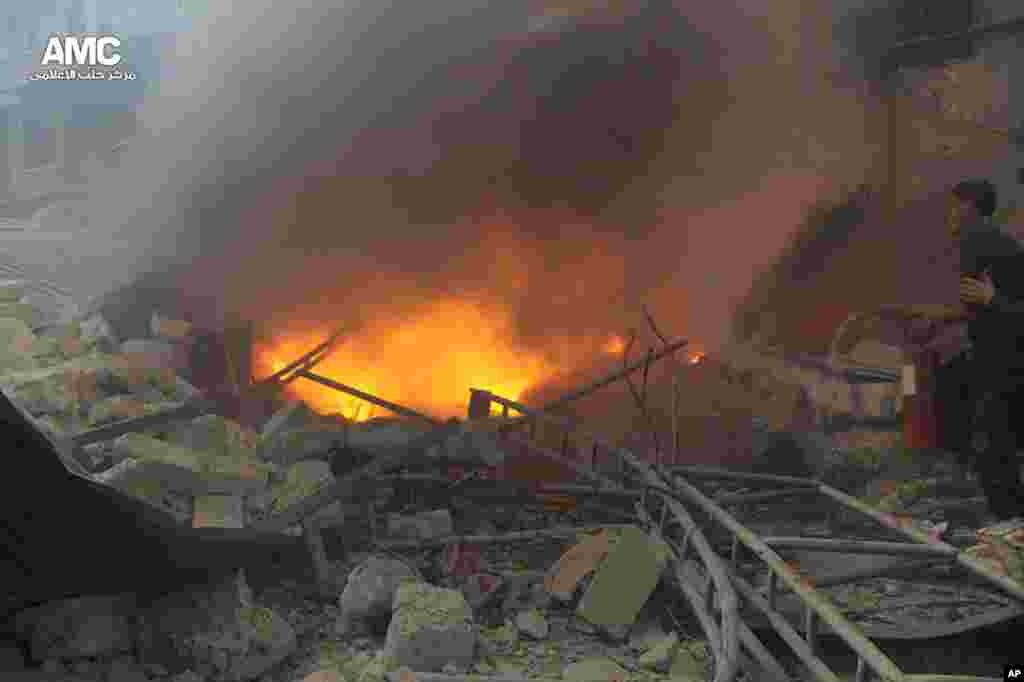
(413, 594)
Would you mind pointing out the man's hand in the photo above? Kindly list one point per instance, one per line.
(977, 291)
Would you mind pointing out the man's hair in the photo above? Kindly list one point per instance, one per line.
(981, 193)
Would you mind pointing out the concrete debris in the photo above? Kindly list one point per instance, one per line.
(16, 346)
(370, 592)
(431, 627)
(218, 511)
(533, 624)
(188, 470)
(660, 655)
(218, 631)
(422, 526)
(287, 448)
(623, 581)
(575, 564)
(593, 669)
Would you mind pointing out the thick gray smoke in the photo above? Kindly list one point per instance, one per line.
(310, 160)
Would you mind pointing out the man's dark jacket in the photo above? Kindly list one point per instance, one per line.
(996, 331)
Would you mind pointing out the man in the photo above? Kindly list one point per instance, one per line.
(992, 304)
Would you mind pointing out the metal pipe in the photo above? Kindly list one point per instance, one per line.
(386, 404)
(786, 631)
(976, 567)
(858, 547)
(745, 498)
(852, 635)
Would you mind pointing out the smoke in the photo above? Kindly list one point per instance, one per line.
(311, 161)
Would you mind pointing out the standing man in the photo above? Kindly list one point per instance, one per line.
(992, 304)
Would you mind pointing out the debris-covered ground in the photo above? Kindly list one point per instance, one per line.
(426, 568)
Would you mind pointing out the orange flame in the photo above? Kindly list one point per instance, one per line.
(695, 357)
(427, 361)
(614, 346)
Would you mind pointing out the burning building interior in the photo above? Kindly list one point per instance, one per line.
(377, 288)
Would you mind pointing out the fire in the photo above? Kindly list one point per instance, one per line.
(427, 361)
(695, 357)
(614, 346)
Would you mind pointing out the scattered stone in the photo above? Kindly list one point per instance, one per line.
(218, 511)
(578, 562)
(643, 636)
(300, 481)
(80, 627)
(593, 669)
(659, 657)
(370, 591)
(431, 627)
(623, 581)
(533, 624)
(423, 526)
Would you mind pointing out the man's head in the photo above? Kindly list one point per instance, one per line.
(969, 200)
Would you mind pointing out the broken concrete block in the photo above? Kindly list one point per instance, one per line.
(136, 479)
(80, 627)
(216, 436)
(431, 627)
(218, 511)
(533, 624)
(578, 562)
(50, 390)
(659, 657)
(594, 669)
(271, 639)
(623, 581)
(165, 328)
(300, 481)
(187, 470)
(217, 629)
(423, 526)
(370, 591)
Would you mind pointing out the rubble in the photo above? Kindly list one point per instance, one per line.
(533, 624)
(423, 526)
(370, 592)
(431, 627)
